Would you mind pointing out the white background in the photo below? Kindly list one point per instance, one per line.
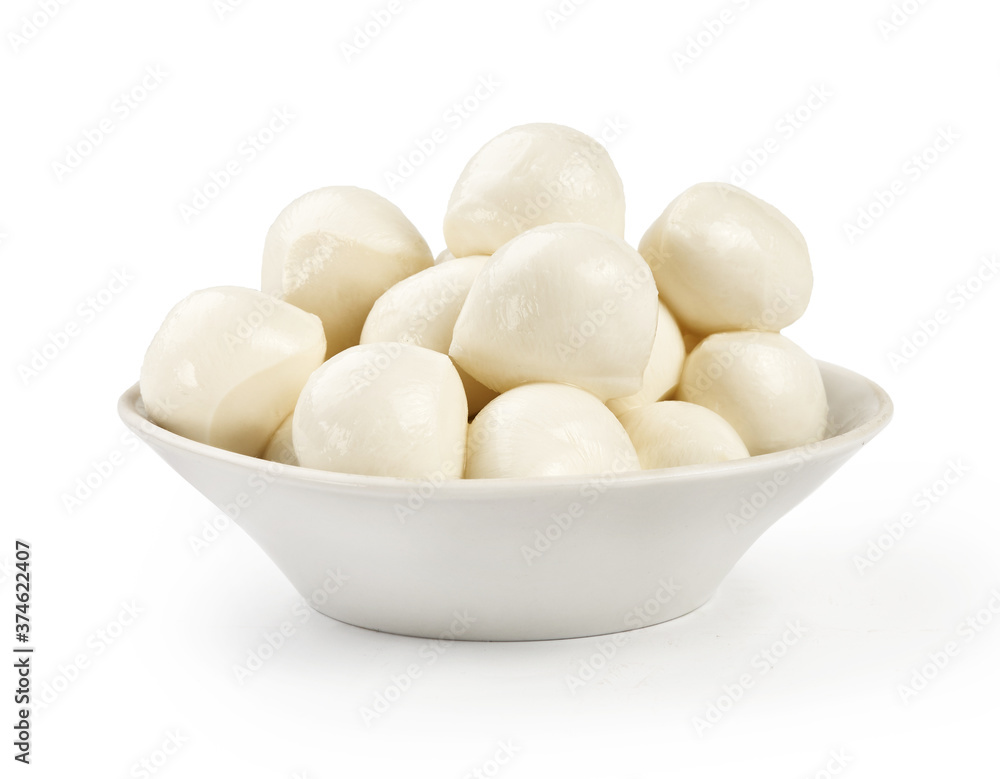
(170, 672)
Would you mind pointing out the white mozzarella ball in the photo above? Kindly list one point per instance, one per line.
(383, 409)
(422, 310)
(563, 302)
(663, 369)
(333, 251)
(547, 430)
(280, 448)
(444, 256)
(226, 367)
(764, 385)
(532, 175)
(726, 260)
(672, 433)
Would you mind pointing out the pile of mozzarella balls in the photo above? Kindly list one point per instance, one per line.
(539, 343)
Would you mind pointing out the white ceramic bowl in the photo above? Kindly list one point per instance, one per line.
(517, 559)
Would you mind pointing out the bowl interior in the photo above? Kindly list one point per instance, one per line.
(858, 410)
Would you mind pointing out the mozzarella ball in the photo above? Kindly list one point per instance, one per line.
(726, 260)
(422, 310)
(564, 302)
(280, 449)
(672, 433)
(663, 369)
(532, 175)
(444, 256)
(384, 409)
(765, 386)
(333, 251)
(547, 430)
(226, 367)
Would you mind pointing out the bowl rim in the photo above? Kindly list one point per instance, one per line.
(141, 425)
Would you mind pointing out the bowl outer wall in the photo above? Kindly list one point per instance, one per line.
(516, 559)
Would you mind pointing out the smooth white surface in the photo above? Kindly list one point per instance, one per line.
(548, 429)
(383, 409)
(227, 364)
(334, 250)
(659, 379)
(763, 384)
(672, 433)
(726, 260)
(422, 309)
(585, 550)
(205, 609)
(567, 303)
(532, 175)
